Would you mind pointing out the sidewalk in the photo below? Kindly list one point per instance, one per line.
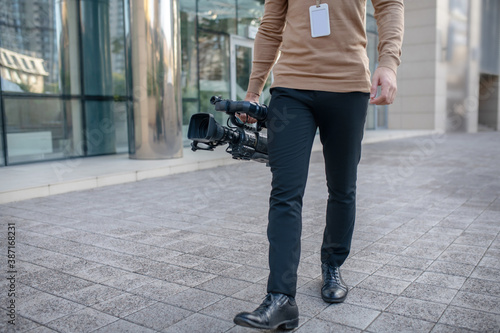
(186, 252)
(36, 180)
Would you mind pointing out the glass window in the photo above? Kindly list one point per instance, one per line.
(217, 15)
(106, 127)
(189, 76)
(41, 55)
(103, 40)
(214, 69)
(250, 13)
(490, 37)
(42, 129)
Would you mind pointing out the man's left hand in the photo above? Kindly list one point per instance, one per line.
(386, 78)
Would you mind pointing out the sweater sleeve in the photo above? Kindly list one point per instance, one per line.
(390, 22)
(267, 43)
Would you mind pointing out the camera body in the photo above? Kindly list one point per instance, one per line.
(244, 142)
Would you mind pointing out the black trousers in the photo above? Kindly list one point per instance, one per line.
(294, 116)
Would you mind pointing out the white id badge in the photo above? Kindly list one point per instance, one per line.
(320, 20)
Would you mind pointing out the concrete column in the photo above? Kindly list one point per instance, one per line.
(156, 69)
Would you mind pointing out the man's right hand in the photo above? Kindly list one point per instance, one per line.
(250, 97)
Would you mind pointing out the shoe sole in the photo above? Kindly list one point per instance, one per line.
(286, 325)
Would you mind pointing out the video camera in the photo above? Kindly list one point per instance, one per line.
(245, 142)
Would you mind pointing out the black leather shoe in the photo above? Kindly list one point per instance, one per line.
(334, 290)
(276, 311)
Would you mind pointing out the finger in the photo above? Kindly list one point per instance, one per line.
(374, 87)
(242, 116)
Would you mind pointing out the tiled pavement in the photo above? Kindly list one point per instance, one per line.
(185, 253)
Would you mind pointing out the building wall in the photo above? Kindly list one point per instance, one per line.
(419, 76)
(439, 78)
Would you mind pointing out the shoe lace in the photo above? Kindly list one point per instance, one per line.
(268, 299)
(332, 274)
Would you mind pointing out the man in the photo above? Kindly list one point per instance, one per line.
(321, 79)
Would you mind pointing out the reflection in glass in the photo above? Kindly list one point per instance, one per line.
(39, 46)
(100, 128)
(214, 69)
(250, 13)
(215, 15)
(106, 134)
(458, 61)
(121, 128)
(189, 58)
(103, 47)
(243, 70)
(42, 129)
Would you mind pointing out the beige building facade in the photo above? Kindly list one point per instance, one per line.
(448, 79)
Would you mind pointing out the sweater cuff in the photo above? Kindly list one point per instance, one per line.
(255, 86)
(390, 62)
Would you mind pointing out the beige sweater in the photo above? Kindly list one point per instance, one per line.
(337, 62)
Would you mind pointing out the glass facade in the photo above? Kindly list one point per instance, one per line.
(206, 30)
(63, 79)
(66, 86)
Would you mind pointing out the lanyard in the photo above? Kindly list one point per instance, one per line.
(317, 3)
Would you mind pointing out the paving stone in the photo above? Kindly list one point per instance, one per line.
(255, 293)
(470, 238)
(310, 306)
(45, 308)
(128, 281)
(429, 292)
(227, 308)
(193, 299)
(416, 308)
(480, 286)
(197, 323)
(123, 305)
(477, 302)
(85, 320)
(451, 268)
(123, 326)
(442, 280)
(349, 315)
(361, 266)
(92, 294)
(410, 262)
(188, 277)
(215, 266)
(440, 328)
(370, 299)
(158, 316)
(42, 329)
(246, 273)
(224, 286)
(22, 324)
(471, 319)
(384, 284)
(400, 273)
(158, 290)
(377, 257)
(388, 322)
(485, 273)
(318, 325)
(490, 262)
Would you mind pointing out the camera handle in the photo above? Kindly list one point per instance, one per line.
(209, 146)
